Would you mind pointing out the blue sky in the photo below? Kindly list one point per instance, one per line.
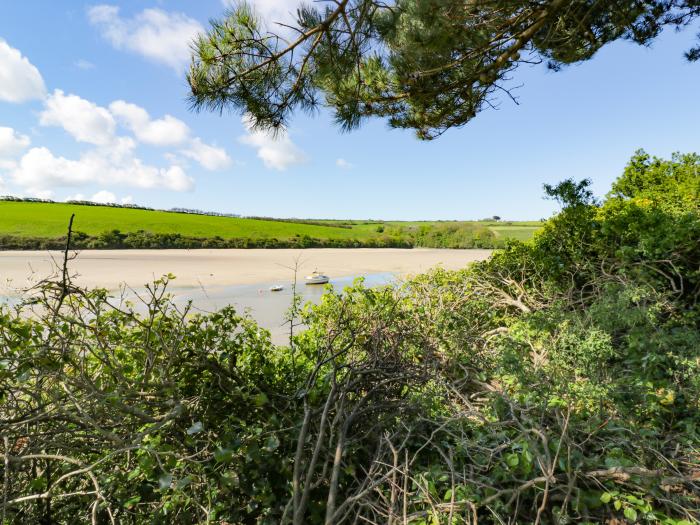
(93, 105)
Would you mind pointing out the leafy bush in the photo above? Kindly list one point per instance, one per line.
(458, 235)
(557, 382)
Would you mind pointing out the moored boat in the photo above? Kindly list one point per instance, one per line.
(317, 278)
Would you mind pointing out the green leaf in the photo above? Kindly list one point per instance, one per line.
(165, 481)
(132, 501)
(605, 497)
(223, 455)
(272, 443)
(635, 500)
(260, 399)
(183, 482)
(512, 460)
(630, 514)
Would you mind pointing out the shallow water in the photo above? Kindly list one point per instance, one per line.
(266, 307)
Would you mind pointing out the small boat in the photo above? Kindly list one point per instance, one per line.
(276, 288)
(317, 278)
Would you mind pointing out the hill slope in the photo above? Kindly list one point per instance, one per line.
(21, 221)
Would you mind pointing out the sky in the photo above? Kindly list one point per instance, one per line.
(93, 105)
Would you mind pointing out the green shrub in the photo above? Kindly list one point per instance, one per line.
(557, 382)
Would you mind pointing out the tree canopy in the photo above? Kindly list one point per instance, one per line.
(426, 65)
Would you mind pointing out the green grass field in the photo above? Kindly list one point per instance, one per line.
(50, 220)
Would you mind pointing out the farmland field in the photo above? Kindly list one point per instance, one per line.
(50, 220)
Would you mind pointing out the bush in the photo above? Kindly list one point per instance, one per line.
(557, 382)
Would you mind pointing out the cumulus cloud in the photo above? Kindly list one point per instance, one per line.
(104, 197)
(39, 169)
(111, 159)
(84, 120)
(343, 164)
(88, 122)
(12, 143)
(167, 131)
(76, 197)
(20, 80)
(210, 157)
(42, 194)
(277, 151)
(153, 33)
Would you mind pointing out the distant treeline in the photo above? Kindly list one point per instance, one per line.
(11, 198)
(439, 236)
(188, 211)
(313, 222)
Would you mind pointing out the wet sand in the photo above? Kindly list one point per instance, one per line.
(218, 268)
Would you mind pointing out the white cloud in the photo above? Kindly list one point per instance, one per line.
(104, 197)
(39, 169)
(274, 12)
(343, 164)
(7, 164)
(12, 143)
(84, 120)
(156, 34)
(210, 157)
(83, 64)
(276, 151)
(112, 159)
(167, 131)
(20, 80)
(42, 194)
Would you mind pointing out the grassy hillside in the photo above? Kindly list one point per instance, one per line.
(50, 220)
(36, 220)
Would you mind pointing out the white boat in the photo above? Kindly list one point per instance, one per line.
(276, 288)
(317, 278)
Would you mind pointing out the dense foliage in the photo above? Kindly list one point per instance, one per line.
(557, 382)
(426, 65)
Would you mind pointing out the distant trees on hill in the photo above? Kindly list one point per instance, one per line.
(116, 205)
(201, 212)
